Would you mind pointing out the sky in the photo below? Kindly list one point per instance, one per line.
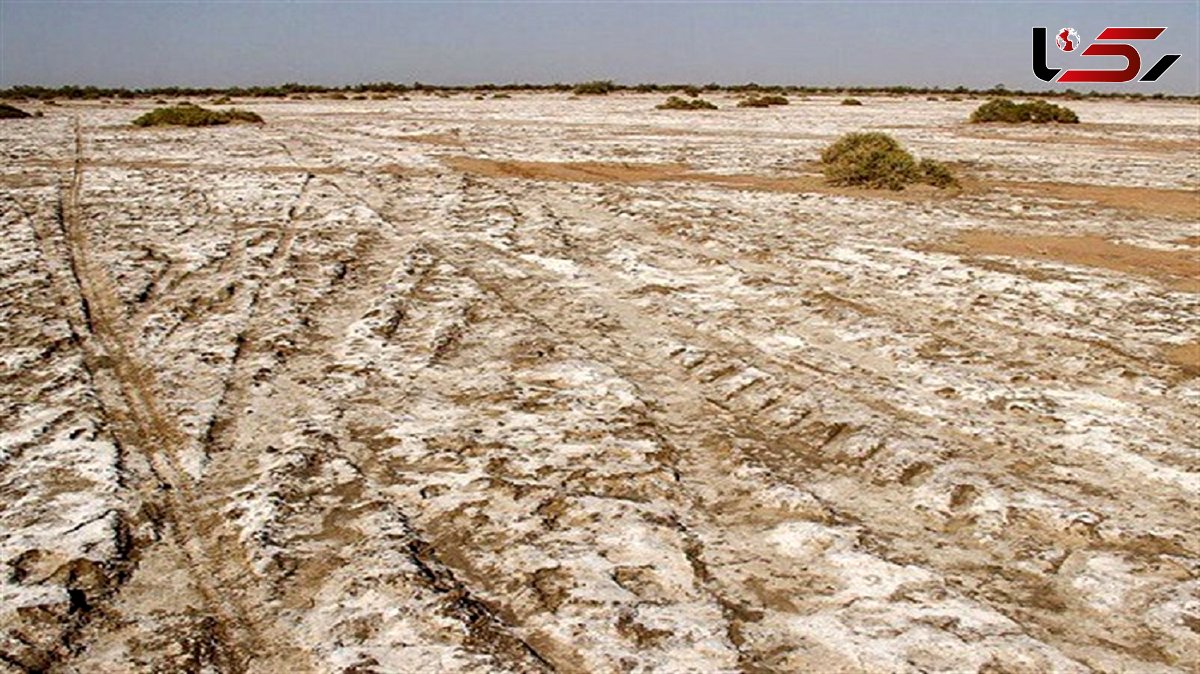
(977, 44)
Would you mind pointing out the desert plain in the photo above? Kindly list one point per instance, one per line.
(555, 384)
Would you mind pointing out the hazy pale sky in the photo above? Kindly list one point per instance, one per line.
(979, 44)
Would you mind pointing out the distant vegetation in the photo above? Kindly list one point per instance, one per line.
(851, 101)
(596, 88)
(75, 92)
(9, 112)
(194, 115)
(1037, 112)
(677, 103)
(877, 160)
(765, 101)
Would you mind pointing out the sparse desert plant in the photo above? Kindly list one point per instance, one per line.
(933, 172)
(194, 115)
(677, 103)
(692, 90)
(594, 88)
(501, 95)
(380, 97)
(49, 101)
(336, 96)
(1005, 111)
(851, 101)
(876, 160)
(223, 100)
(764, 101)
(9, 112)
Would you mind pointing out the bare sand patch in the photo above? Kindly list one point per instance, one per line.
(619, 172)
(1058, 136)
(1186, 356)
(1178, 269)
(1181, 203)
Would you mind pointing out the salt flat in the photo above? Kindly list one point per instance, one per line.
(572, 384)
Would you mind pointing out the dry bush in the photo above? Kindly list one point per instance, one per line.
(677, 103)
(764, 101)
(876, 160)
(9, 112)
(594, 88)
(851, 101)
(194, 115)
(1037, 112)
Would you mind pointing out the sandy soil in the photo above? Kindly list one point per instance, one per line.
(543, 384)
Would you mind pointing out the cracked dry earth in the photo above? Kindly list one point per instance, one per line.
(542, 384)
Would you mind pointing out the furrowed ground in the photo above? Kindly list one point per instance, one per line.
(543, 384)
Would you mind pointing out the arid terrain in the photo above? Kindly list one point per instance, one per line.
(555, 384)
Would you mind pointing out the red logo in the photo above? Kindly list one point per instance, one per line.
(1106, 44)
(1067, 39)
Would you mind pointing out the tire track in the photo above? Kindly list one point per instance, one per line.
(244, 639)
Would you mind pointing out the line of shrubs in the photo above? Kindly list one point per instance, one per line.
(75, 92)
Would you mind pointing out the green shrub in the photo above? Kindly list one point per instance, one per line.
(9, 112)
(765, 101)
(876, 160)
(501, 95)
(1042, 112)
(594, 88)
(677, 103)
(851, 101)
(692, 90)
(935, 173)
(1038, 112)
(194, 115)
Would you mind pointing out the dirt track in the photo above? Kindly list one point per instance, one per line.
(575, 385)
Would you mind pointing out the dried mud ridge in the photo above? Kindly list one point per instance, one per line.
(402, 403)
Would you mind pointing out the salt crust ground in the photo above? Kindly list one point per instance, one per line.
(307, 397)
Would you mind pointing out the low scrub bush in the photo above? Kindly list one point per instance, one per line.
(765, 101)
(9, 112)
(594, 88)
(876, 160)
(851, 101)
(935, 173)
(223, 100)
(194, 115)
(677, 103)
(1037, 112)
